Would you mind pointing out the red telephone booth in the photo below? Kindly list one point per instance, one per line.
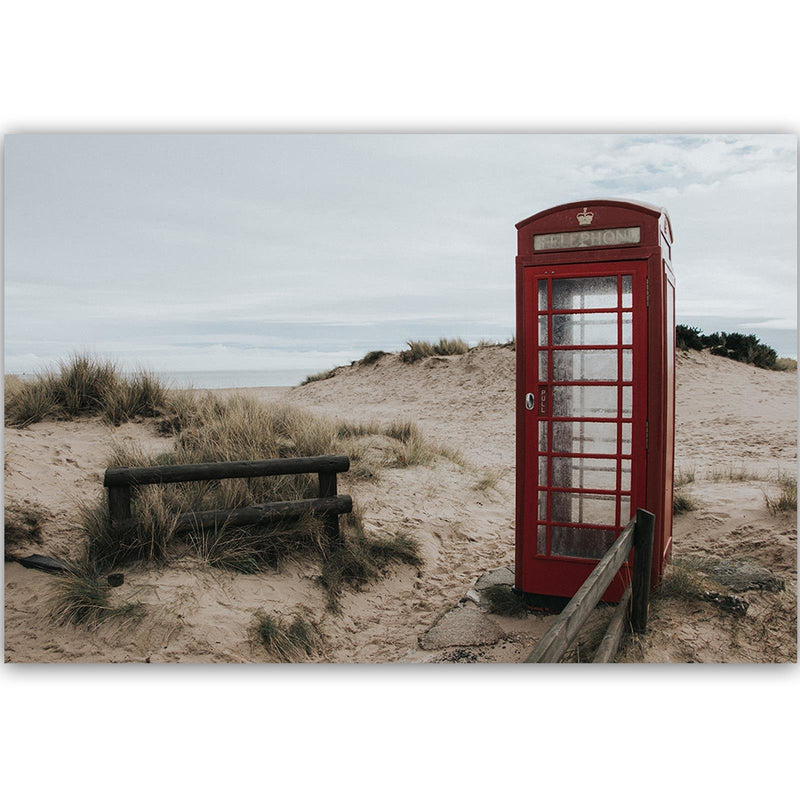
(595, 389)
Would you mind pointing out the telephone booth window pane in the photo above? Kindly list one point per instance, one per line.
(625, 475)
(627, 365)
(600, 292)
(543, 436)
(542, 470)
(584, 401)
(580, 542)
(627, 401)
(541, 540)
(626, 438)
(542, 295)
(627, 291)
(627, 327)
(542, 505)
(584, 365)
(597, 509)
(585, 473)
(543, 376)
(570, 329)
(543, 331)
(586, 437)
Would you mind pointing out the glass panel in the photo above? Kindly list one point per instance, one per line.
(543, 435)
(586, 437)
(542, 505)
(627, 365)
(627, 291)
(543, 330)
(627, 401)
(541, 540)
(596, 509)
(584, 401)
(625, 475)
(584, 329)
(543, 376)
(542, 470)
(626, 438)
(580, 542)
(584, 365)
(626, 510)
(586, 473)
(542, 295)
(627, 328)
(585, 292)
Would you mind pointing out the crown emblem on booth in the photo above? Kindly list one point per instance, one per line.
(585, 217)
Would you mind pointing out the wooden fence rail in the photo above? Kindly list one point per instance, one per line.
(638, 533)
(120, 480)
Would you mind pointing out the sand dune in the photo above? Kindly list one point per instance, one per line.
(733, 421)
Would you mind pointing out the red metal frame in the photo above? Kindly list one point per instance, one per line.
(651, 386)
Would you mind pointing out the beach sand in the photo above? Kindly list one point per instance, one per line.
(736, 433)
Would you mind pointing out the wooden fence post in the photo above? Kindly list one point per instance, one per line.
(119, 503)
(328, 488)
(642, 566)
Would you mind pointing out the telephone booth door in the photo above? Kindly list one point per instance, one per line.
(586, 368)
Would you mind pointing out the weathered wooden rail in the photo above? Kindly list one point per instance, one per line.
(638, 533)
(121, 480)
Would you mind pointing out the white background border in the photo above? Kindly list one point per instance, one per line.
(377, 731)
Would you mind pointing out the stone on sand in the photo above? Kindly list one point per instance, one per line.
(461, 627)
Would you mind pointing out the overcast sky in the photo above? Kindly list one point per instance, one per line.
(214, 252)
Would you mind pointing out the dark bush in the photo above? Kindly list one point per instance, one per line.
(687, 338)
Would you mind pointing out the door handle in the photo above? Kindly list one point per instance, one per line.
(530, 401)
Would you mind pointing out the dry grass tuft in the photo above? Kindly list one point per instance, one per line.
(358, 559)
(444, 347)
(685, 475)
(80, 596)
(487, 481)
(787, 499)
(84, 386)
(682, 501)
(416, 350)
(23, 524)
(503, 600)
(785, 365)
(733, 473)
(683, 578)
(372, 357)
(318, 376)
(287, 641)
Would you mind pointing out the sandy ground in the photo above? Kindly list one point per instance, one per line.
(736, 432)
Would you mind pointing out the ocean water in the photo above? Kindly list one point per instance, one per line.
(230, 379)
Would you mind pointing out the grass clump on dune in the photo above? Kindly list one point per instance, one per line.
(372, 357)
(503, 600)
(359, 559)
(287, 641)
(787, 499)
(444, 347)
(682, 501)
(80, 596)
(318, 376)
(83, 386)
